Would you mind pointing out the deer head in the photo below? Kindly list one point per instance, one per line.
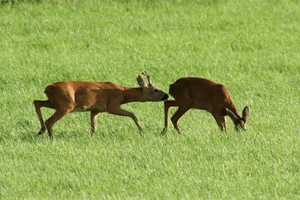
(151, 93)
(238, 121)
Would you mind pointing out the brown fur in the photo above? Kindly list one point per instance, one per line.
(200, 93)
(95, 97)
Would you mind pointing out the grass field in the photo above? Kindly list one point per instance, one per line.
(252, 47)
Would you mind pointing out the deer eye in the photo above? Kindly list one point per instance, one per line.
(156, 90)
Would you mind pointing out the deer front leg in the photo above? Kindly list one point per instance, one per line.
(94, 116)
(122, 112)
(220, 121)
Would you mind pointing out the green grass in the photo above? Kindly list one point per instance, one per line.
(253, 47)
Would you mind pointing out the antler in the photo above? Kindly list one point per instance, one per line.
(145, 73)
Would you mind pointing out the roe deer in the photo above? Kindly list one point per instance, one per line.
(72, 96)
(206, 95)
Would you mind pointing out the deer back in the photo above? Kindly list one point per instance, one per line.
(201, 93)
(97, 96)
(83, 96)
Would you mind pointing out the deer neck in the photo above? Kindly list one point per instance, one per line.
(234, 110)
(134, 95)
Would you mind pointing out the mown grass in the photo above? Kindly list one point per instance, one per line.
(250, 46)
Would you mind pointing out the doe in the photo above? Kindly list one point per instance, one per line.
(95, 97)
(200, 93)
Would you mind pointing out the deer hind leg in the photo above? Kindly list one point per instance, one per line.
(181, 110)
(38, 104)
(167, 105)
(59, 113)
(122, 112)
(220, 121)
(94, 116)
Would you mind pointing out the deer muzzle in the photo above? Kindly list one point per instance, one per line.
(165, 97)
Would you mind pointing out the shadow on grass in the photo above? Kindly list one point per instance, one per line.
(12, 2)
(33, 137)
(107, 135)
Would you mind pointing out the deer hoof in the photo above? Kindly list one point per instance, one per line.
(164, 131)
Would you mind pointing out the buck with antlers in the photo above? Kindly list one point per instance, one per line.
(206, 95)
(95, 97)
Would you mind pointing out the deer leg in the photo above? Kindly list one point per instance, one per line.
(38, 104)
(181, 110)
(220, 121)
(94, 116)
(167, 105)
(59, 113)
(122, 112)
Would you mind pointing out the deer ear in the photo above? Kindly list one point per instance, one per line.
(245, 113)
(141, 82)
(231, 115)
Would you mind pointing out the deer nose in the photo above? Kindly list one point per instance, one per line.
(165, 97)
